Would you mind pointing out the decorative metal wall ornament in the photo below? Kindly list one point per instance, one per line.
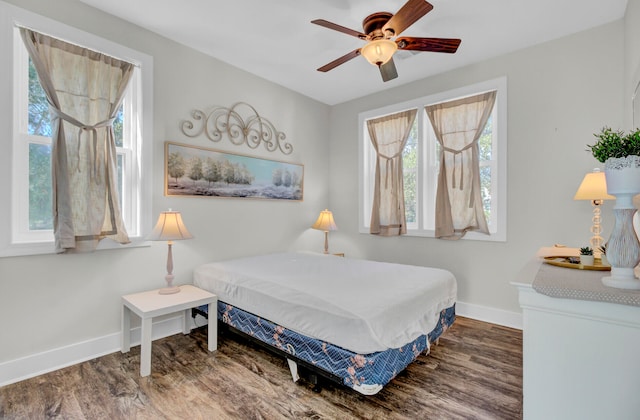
(253, 130)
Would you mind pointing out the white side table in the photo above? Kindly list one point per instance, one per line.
(148, 305)
(580, 357)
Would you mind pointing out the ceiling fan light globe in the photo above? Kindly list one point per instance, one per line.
(379, 51)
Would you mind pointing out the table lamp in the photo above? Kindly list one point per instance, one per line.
(594, 188)
(169, 228)
(325, 223)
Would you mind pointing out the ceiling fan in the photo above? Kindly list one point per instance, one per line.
(381, 30)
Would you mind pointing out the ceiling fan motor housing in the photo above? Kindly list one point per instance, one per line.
(373, 24)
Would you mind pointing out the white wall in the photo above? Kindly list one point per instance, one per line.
(632, 58)
(559, 94)
(51, 301)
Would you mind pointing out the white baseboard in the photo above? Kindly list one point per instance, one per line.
(48, 361)
(492, 315)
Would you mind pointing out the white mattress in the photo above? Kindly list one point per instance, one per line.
(362, 306)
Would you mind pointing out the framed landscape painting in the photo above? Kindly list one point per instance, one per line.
(197, 171)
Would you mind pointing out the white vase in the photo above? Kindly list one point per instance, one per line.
(623, 248)
(586, 259)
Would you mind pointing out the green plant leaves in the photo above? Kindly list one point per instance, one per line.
(615, 144)
(586, 251)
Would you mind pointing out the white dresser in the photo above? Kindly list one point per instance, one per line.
(581, 359)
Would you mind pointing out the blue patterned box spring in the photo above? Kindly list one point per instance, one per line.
(366, 373)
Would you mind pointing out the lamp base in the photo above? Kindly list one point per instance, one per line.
(629, 284)
(326, 242)
(622, 278)
(623, 248)
(169, 290)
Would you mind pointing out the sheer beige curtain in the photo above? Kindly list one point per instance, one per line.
(458, 125)
(389, 135)
(84, 89)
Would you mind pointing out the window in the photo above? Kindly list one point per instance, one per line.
(29, 229)
(421, 164)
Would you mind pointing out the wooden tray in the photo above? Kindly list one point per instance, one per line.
(564, 262)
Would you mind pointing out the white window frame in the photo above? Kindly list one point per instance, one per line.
(15, 237)
(426, 202)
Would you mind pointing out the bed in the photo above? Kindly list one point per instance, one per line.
(358, 322)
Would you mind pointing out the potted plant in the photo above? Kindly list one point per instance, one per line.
(620, 153)
(586, 256)
(603, 254)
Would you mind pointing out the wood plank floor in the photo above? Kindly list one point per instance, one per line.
(474, 373)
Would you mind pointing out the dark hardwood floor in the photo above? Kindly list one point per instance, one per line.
(474, 373)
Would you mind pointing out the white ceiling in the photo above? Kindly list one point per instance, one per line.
(275, 40)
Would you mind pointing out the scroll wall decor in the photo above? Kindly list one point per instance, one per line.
(252, 130)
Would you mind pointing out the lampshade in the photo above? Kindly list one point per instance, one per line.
(379, 51)
(593, 187)
(325, 222)
(169, 228)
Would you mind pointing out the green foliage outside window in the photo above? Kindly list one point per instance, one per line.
(40, 215)
(485, 146)
(39, 124)
(39, 119)
(410, 168)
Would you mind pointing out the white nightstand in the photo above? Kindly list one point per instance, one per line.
(148, 305)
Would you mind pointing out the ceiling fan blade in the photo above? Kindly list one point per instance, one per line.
(388, 71)
(339, 28)
(443, 45)
(407, 15)
(335, 63)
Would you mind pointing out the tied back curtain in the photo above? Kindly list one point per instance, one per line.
(84, 89)
(389, 135)
(458, 125)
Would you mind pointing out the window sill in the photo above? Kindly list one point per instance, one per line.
(43, 248)
(470, 236)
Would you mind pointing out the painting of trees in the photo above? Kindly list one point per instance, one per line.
(212, 171)
(195, 168)
(277, 177)
(175, 165)
(206, 172)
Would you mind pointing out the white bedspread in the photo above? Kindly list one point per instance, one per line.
(362, 306)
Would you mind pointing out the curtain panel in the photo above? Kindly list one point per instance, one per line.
(84, 89)
(389, 135)
(458, 126)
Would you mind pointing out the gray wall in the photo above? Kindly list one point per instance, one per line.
(52, 301)
(559, 94)
(632, 58)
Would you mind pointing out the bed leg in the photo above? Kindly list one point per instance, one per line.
(293, 367)
(316, 383)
